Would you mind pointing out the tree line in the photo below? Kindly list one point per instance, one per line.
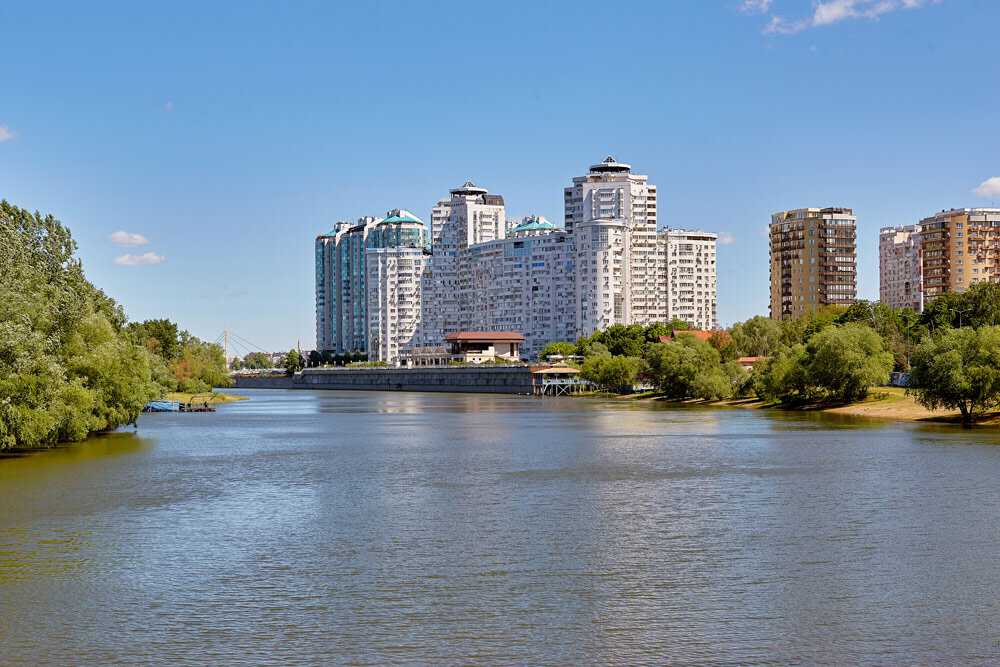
(70, 362)
(950, 353)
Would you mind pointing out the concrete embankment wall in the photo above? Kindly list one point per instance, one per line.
(489, 380)
(268, 382)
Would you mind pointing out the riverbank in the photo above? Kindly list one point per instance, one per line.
(216, 397)
(888, 403)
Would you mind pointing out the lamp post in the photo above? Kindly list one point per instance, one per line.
(959, 315)
(906, 320)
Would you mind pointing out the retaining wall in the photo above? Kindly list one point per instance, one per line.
(489, 380)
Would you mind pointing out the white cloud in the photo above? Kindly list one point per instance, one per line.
(7, 134)
(136, 260)
(830, 12)
(755, 6)
(124, 239)
(989, 188)
(725, 238)
(208, 296)
(169, 106)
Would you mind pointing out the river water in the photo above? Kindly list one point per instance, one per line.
(341, 527)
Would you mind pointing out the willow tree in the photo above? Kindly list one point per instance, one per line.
(67, 368)
(958, 369)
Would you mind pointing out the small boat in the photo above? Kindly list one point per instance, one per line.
(162, 406)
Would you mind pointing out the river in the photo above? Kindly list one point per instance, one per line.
(362, 527)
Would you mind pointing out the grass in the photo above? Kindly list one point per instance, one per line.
(215, 397)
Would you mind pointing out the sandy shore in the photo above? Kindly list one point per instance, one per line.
(890, 403)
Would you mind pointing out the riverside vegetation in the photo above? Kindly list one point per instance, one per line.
(830, 357)
(70, 362)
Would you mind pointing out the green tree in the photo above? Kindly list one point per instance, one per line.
(67, 367)
(201, 365)
(688, 368)
(958, 369)
(159, 336)
(257, 361)
(587, 348)
(293, 362)
(611, 373)
(622, 340)
(783, 377)
(314, 359)
(847, 360)
(679, 325)
(757, 337)
(557, 349)
(656, 330)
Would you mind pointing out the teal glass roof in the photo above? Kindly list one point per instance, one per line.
(403, 218)
(534, 224)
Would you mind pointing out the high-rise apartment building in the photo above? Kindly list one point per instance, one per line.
(524, 283)
(813, 260)
(688, 276)
(342, 290)
(620, 205)
(468, 216)
(959, 248)
(899, 267)
(380, 291)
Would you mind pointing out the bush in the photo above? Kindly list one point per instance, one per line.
(193, 386)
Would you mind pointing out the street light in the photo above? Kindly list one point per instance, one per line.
(959, 315)
(906, 319)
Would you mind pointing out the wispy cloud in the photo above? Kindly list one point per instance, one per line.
(238, 293)
(725, 238)
(208, 296)
(989, 188)
(169, 106)
(124, 239)
(7, 134)
(755, 6)
(830, 12)
(137, 260)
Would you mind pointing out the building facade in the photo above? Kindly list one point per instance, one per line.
(524, 283)
(959, 248)
(899, 267)
(388, 286)
(622, 204)
(342, 273)
(688, 276)
(468, 216)
(813, 260)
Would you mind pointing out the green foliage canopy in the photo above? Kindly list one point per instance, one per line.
(67, 367)
(959, 369)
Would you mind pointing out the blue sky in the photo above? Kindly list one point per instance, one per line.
(229, 135)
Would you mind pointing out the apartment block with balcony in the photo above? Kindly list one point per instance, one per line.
(611, 192)
(813, 260)
(688, 279)
(899, 267)
(959, 248)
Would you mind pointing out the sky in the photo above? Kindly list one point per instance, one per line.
(197, 149)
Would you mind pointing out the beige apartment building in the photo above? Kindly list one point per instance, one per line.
(813, 260)
(899, 283)
(959, 248)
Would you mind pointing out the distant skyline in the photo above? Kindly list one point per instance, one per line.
(195, 151)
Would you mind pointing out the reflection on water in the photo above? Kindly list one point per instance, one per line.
(318, 527)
